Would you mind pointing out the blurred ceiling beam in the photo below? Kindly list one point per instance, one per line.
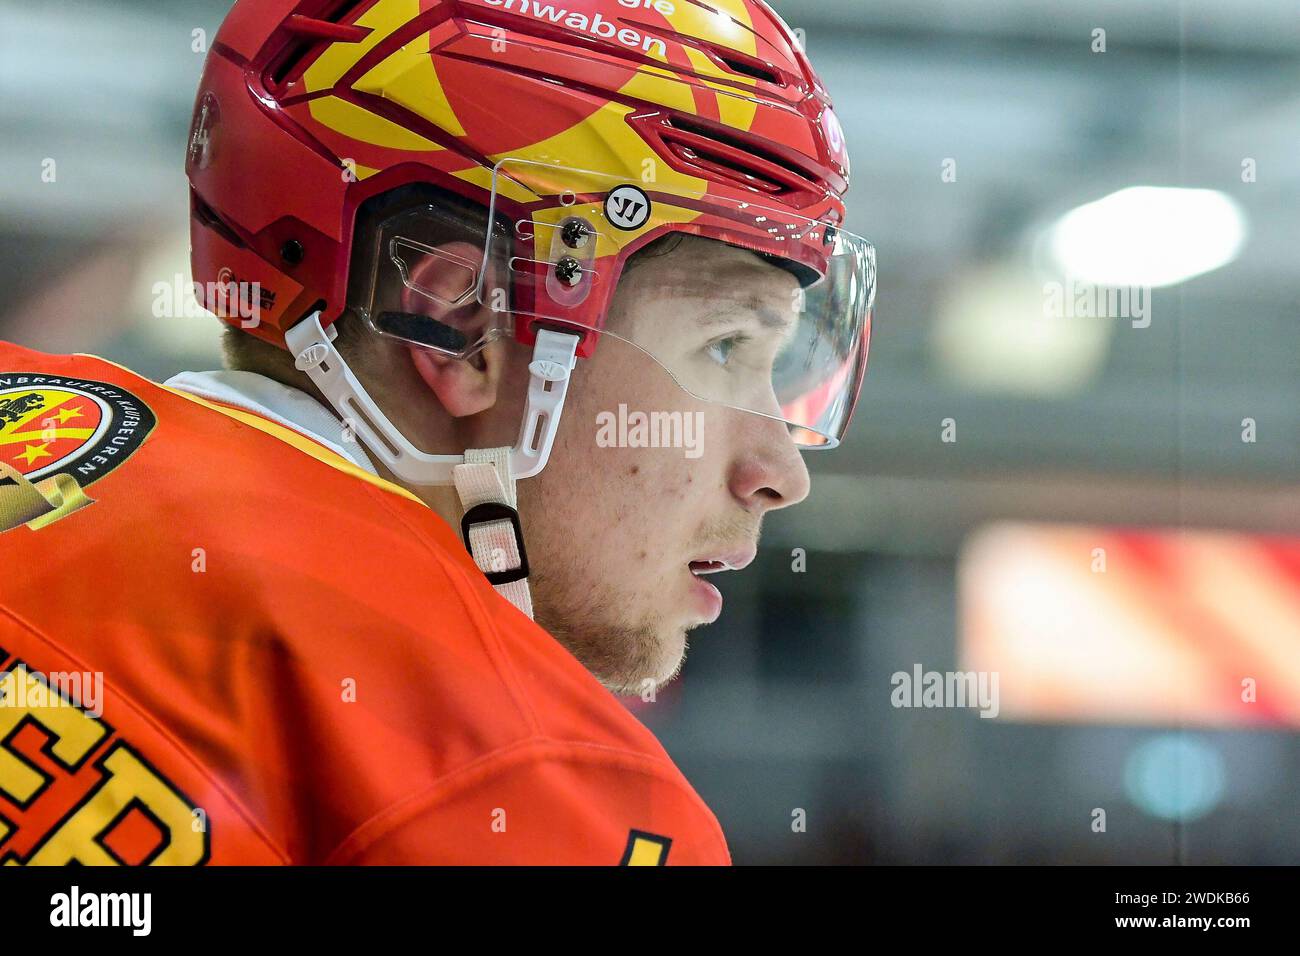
(1258, 25)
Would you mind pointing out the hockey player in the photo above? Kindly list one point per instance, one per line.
(531, 309)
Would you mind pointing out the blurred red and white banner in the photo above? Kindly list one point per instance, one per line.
(1122, 625)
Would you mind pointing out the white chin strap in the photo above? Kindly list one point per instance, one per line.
(484, 478)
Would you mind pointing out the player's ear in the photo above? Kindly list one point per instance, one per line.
(464, 386)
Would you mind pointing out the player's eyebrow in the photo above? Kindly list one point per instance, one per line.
(768, 317)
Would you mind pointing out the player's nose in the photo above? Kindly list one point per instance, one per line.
(768, 471)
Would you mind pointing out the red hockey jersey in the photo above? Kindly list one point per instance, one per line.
(222, 642)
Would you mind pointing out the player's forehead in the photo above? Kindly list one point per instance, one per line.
(702, 279)
(703, 261)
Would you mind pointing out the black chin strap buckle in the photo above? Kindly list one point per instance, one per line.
(486, 513)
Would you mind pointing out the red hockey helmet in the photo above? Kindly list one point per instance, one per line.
(586, 129)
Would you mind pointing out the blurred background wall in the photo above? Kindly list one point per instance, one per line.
(1101, 509)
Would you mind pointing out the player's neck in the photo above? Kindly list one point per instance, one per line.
(441, 499)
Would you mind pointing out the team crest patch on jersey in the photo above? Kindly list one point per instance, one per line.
(59, 435)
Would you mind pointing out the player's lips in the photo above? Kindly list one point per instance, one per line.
(706, 594)
(729, 561)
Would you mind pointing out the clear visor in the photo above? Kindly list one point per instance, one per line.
(754, 308)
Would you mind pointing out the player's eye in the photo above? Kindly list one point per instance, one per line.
(719, 350)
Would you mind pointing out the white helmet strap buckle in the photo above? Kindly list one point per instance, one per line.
(490, 526)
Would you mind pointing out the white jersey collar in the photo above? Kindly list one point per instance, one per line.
(290, 407)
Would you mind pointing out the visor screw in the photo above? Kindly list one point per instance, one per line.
(575, 233)
(569, 271)
(292, 252)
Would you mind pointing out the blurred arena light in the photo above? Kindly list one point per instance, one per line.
(1148, 236)
(994, 333)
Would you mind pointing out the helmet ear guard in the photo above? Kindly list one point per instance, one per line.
(419, 266)
(417, 254)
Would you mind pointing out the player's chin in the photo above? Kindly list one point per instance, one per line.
(672, 657)
(655, 661)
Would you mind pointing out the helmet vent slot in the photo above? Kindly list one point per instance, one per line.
(747, 67)
(208, 216)
(726, 167)
(696, 148)
(313, 34)
(734, 143)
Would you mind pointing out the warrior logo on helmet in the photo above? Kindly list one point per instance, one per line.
(627, 207)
